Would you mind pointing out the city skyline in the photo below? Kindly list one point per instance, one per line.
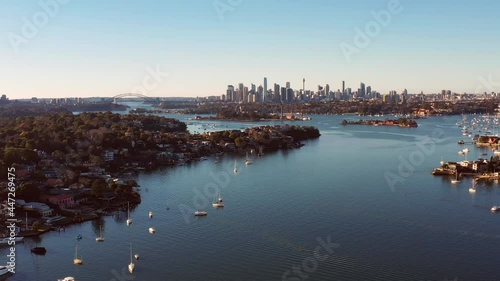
(56, 48)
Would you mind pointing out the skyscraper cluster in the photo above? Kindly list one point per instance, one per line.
(287, 94)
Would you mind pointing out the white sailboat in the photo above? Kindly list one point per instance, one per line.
(69, 278)
(218, 202)
(131, 265)
(200, 213)
(77, 260)
(152, 230)
(247, 160)
(100, 238)
(129, 220)
(473, 188)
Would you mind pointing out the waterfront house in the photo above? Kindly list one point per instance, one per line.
(54, 182)
(50, 174)
(108, 155)
(488, 140)
(40, 208)
(76, 185)
(61, 200)
(108, 196)
(23, 174)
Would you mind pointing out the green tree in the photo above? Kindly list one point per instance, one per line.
(239, 142)
(28, 191)
(98, 187)
(489, 167)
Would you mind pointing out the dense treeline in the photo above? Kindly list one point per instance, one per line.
(232, 110)
(64, 133)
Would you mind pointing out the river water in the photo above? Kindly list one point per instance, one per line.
(359, 203)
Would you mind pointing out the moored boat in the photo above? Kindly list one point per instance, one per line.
(39, 250)
(218, 202)
(200, 213)
(131, 265)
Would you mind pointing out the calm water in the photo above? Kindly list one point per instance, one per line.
(423, 228)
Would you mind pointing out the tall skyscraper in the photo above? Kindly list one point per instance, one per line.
(240, 93)
(283, 95)
(230, 93)
(362, 90)
(327, 90)
(245, 94)
(264, 93)
(289, 95)
(343, 87)
(277, 97)
(288, 85)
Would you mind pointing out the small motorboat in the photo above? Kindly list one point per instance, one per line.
(495, 208)
(200, 213)
(69, 278)
(39, 250)
(136, 256)
(150, 215)
(79, 237)
(152, 230)
(461, 142)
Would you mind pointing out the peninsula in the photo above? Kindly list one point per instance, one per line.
(70, 168)
(401, 122)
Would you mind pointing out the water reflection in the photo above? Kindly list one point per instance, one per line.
(97, 225)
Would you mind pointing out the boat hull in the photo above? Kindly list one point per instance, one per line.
(39, 250)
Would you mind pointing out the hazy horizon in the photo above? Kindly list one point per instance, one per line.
(63, 48)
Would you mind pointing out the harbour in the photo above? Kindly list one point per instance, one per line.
(276, 209)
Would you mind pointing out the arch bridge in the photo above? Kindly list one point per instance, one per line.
(134, 95)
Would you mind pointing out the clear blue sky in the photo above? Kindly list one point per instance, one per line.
(103, 48)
